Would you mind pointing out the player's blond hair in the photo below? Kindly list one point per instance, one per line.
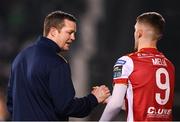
(155, 20)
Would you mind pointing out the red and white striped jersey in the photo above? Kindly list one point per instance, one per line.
(150, 78)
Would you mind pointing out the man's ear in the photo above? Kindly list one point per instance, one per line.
(139, 33)
(53, 31)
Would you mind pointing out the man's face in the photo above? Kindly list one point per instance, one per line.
(66, 35)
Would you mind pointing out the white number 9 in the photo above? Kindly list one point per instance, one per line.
(162, 86)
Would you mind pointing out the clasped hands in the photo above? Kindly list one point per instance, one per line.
(101, 93)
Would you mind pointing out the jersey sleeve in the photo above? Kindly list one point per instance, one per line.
(122, 70)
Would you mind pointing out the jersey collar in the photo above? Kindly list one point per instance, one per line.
(152, 50)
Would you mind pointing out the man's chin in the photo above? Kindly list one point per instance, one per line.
(65, 49)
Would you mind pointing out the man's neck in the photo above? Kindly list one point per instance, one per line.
(147, 44)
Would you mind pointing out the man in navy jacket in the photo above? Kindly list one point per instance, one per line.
(40, 85)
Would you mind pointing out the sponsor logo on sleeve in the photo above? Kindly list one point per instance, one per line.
(117, 71)
(121, 62)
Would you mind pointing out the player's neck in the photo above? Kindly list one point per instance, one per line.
(147, 44)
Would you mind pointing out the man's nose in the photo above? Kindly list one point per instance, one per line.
(73, 36)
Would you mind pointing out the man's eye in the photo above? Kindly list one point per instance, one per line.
(69, 32)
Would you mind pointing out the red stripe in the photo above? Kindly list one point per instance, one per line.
(121, 81)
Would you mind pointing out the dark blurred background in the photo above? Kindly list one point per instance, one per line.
(105, 33)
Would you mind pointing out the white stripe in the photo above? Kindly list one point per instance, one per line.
(129, 97)
(125, 77)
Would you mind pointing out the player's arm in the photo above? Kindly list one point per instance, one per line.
(122, 70)
(115, 103)
(63, 94)
(108, 99)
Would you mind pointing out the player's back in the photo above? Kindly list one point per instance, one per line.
(151, 86)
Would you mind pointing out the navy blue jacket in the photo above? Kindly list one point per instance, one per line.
(40, 86)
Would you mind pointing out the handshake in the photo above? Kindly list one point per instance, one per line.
(102, 93)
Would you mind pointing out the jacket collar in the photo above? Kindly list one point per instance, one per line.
(48, 42)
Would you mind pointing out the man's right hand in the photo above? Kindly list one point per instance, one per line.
(101, 93)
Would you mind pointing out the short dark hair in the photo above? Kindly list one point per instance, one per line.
(154, 19)
(56, 19)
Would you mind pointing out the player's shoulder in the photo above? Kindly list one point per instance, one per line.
(128, 56)
(133, 54)
(169, 62)
(125, 59)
